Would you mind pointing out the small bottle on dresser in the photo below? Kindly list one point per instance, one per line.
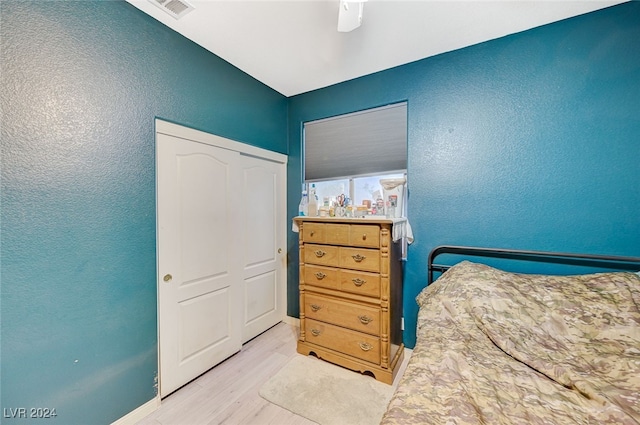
(303, 207)
(313, 202)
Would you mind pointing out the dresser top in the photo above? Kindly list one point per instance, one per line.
(350, 220)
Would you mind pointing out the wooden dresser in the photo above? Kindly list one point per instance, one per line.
(351, 294)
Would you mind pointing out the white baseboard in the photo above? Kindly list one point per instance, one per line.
(293, 321)
(140, 413)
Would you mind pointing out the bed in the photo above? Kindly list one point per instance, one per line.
(495, 347)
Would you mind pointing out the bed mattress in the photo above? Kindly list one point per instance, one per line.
(501, 348)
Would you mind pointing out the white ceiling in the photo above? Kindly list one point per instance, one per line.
(293, 46)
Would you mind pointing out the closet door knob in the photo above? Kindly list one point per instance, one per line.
(167, 278)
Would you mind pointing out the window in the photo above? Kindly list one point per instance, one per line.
(358, 190)
(328, 191)
(368, 142)
(349, 154)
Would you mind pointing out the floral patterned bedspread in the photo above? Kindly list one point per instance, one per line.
(502, 348)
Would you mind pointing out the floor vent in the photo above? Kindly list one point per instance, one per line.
(175, 8)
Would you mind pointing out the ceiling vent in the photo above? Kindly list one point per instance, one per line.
(175, 8)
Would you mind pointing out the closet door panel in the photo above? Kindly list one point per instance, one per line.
(263, 189)
(199, 287)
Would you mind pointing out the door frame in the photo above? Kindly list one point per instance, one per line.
(177, 130)
(180, 131)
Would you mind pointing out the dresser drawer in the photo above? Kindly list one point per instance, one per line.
(332, 233)
(360, 259)
(358, 282)
(364, 235)
(336, 234)
(356, 344)
(313, 232)
(343, 313)
(324, 255)
(325, 277)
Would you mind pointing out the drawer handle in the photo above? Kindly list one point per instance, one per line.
(364, 237)
(315, 307)
(364, 346)
(320, 275)
(358, 258)
(365, 320)
(312, 233)
(320, 253)
(315, 332)
(358, 282)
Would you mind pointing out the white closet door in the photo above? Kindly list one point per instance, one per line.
(264, 246)
(221, 248)
(200, 300)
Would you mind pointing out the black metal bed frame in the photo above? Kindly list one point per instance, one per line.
(604, 261)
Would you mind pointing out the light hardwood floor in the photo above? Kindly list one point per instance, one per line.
(228, 393)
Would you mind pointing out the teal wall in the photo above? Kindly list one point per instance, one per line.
(81, 85)
(531, 141)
